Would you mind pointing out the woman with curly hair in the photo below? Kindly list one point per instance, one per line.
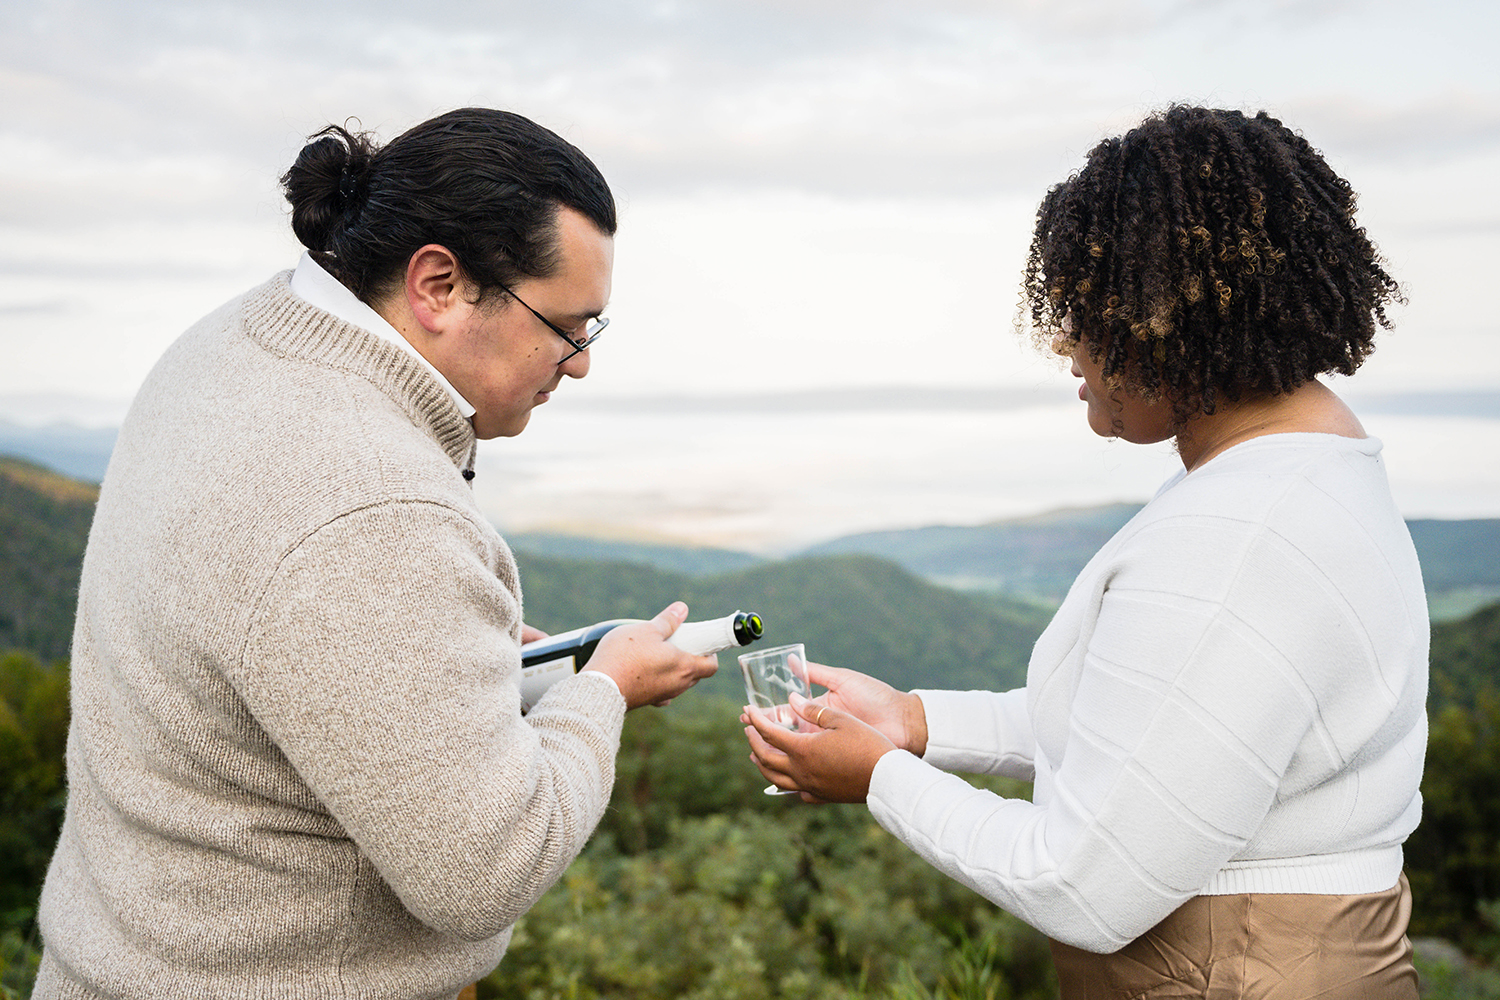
(1225, 719)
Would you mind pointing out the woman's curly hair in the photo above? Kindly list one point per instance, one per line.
(1206, 255)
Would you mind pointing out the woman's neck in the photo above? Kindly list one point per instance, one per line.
(1311, 408)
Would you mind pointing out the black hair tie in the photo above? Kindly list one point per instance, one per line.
(348, 182)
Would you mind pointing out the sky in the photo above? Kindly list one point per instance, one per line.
(824, 210)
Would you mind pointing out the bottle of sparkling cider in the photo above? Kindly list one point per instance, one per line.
(549, 660)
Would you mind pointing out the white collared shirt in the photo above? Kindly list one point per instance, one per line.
(315, 286)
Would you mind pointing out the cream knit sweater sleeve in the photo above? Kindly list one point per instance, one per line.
(399, 710)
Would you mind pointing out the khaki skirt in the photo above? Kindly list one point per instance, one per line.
(1267, 946)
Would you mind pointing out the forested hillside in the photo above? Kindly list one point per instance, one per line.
(1465, 659)
(44, 522)
(696, 884)
(1031, 556)
(850, 611)
(1453, 859)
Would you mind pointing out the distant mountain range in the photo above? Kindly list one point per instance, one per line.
(1029, 559)
(850, 610)
(78, 452)
(873, 602)
(1036, 558)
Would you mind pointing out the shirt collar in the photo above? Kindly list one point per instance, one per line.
(315, 286)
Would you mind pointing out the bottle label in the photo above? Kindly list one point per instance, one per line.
(538, 677)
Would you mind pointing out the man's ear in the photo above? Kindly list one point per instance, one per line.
(435, 288)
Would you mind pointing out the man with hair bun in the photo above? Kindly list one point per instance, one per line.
(297, 764)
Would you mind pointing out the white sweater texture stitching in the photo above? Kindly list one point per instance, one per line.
(1230, 699)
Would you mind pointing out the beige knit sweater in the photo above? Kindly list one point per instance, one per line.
(297, 766)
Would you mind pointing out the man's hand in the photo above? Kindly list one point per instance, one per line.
(648, 669)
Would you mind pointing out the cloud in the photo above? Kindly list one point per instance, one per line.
(50, 185)
(148, 137)
(1434, 126)
(883, 98)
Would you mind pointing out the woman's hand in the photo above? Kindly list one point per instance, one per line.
(530, 633)
(833, 763)
(897, 715)
(648, 669)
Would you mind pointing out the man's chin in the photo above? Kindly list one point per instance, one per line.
(486, 430)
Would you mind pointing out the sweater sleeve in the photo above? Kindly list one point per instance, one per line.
(979, 732)
(1199, 683)
(383, 665)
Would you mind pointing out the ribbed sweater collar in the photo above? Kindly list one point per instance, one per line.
(286, 325)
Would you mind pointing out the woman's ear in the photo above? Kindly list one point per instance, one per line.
(435, 288)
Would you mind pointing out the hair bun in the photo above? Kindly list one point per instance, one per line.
(327, 184)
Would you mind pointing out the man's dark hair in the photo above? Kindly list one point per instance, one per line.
(1207, 255)
(485, 184)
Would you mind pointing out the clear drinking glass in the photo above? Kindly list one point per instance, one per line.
(771, 675)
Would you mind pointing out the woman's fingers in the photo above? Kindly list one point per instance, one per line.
(772, 763)
(820, 674)
(768, 734)
(831, 759)
(815, 711)
(758, 744)
(811, 715)
(778, 778)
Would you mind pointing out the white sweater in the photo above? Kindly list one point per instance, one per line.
(1230, 699)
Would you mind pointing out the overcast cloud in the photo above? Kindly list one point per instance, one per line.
(824, 205)
(803, 184)
(155, 106)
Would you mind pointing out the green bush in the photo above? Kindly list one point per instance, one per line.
(33, 735)
(697, 885)
(19, 957)
(1453, 857)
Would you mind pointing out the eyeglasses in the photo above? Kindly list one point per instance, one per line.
(590, 332)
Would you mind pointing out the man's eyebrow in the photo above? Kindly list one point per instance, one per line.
(583, 316)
